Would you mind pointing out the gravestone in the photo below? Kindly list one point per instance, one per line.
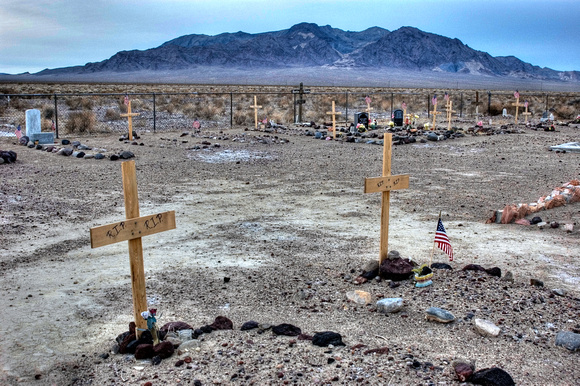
(398, 116)
(33, 130)
(362, 118)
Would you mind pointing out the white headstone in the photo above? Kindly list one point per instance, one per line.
(504, 113)
(32, 122)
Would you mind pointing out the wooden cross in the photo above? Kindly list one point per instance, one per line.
(369, 108)
(131, 230)
(434, 112)
(385, 184)
(130, 116)
(450, 111)
(334, 114)
(517, 105)
(256, 107)
(477, 103)
(526, 113)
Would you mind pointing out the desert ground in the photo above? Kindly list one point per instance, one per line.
(273, 226)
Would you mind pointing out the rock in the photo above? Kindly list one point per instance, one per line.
(126, 155)
(396, 269)
(536, 220)
(392, 255)
(463, 371)
(84, 147)
(249, 325)
(378, 351)
(144, 351)
(163, 350)
(179, 363)
(113, 157)
(66, 151)
(78, 154)
(31, 145)
(439, 315)
(559, 292)
(222, 323)
(492, 377)
(65, 142)
(175, 326)
(542, 225)
(24, 140)
(39, 147)
(89, 156)
(486, 328)
(390, 305)
(323, 339)
(286, 329)
(473, 267)
(569, 340)
(441, 266)
(495, 271)
(208, 329)
(554, 225)
(371, 269)
(536, 283)
(432, 137)
(359, 297)
(509, 277)
(156, 360)
(75, 143)
(568, 227)
(190, 345)
(99, 156)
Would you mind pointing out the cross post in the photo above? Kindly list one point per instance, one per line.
(334, 113)
(256, 107)
(517, 105)
(450, 111)
(385, 184)
(526, 113)
(130, 116)
(434, 112)
(131, 230)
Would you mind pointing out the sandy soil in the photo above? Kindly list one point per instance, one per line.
(288, 223)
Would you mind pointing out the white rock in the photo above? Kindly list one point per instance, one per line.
(486, 328)
(390, 305)
(190, 345)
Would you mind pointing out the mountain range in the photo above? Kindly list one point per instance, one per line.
(312, 47)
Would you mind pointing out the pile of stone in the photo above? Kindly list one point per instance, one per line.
(76, 149)
(566, 194)
(7, 157)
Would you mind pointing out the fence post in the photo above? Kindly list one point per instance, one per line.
(55, 116)
(461, 106)
(489, 103)
(154, 114)
(346, 115)
(231, 110)
(428, 106)
(393, 101)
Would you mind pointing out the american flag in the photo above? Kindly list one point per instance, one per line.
(434, 100)
(446, 97)
(516, 94)
(368, 100)
(404, 106)
(18, 132)
(196, 124)
(442, 240)
(526, 104)
(53, 127)
(126, 101)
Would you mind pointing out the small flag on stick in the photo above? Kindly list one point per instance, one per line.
(446, 97)
(442, 240)
(126, 101)
(434, 100)
(18, 132)
(516, 94)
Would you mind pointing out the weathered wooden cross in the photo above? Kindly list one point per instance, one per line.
(130, 116)
(434, 112)
(385, 184)
(404, 106)
(369, 108)
(334, 113)
(526, 113)
(450, 111)
(517, 104)
(256, 107)
(477, 103)
(131, 230)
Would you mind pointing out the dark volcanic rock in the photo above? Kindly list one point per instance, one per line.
(396, 269)
(144, 351)
(495, 271)
(473, 267)
(249, 325)
(175, 326)
(222, 323)
(441, 266)
(323, 339)
(164, 350)
(492, 377)
(286, 329)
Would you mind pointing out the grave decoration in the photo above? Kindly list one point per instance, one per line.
(423, 275)
(526, 113)
(369, 108)
(334, 113)
(385, 184)
(129, 117)
(33, 129)
(131, 230)
(256, 107)
(449, 110)
(517, 104)
(434, 112)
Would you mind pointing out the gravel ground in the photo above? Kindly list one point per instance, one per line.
(274, 227)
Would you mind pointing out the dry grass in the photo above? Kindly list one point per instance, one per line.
(80, 122)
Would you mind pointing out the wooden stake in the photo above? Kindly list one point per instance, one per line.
(334, 114)
(434, 112)
(526, 113)
(130, 116)
(517, 105)
(131, 230)
(450, 111)
(256, 107)
(385, 184)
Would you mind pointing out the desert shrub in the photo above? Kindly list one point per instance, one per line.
(112, 115)
(208, 112)
(190, 110)
(79, 103)
(169, 108)
(495, 108)
(80, 122)
(565, 112)
(262, 100)
(19, 103)
(48, 112)
(46, 125)
(241, 118)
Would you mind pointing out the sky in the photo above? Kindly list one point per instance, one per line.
(39, 34)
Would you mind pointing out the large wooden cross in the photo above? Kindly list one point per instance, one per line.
(477, 103)
(434, 112)
(517, 105)
(385, 184)
(131, 230)
(334, 113)
(256, 107)
(369, 108)
(450, 111)
(526, 113)
(130, 116)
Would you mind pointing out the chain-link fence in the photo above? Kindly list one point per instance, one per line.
(103, 113)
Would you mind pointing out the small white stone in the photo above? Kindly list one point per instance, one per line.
(486, 328)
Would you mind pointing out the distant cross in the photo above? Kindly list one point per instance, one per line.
(404, 106)
(477, 103)
(517, 104)
(130, 116)
(526, 113)
(385, 184)
(434, 112)
(450, 111)
(256, 107)
(334, 114)
(131, 230)
(369, 108)
(301, 91)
